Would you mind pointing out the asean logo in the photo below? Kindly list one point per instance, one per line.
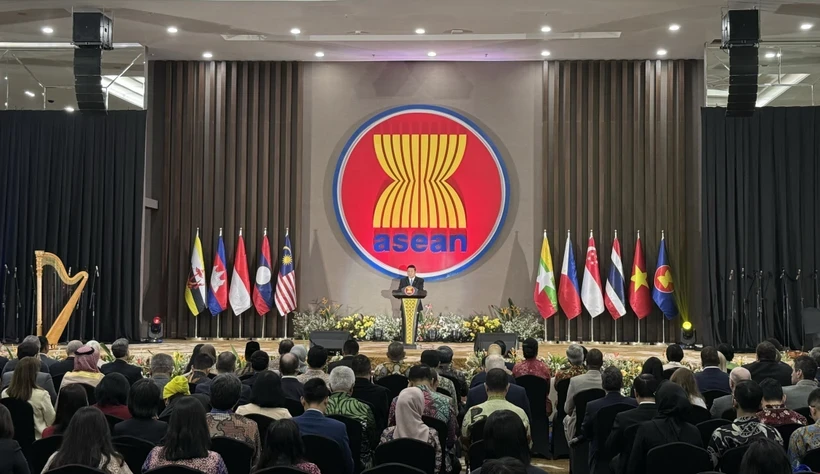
(420, 184)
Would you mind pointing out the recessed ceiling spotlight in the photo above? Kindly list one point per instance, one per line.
(545, 53)
(30, 94)
(319, 54)
(662, 52)
(69, 108)
(47, 30)
(545, 29)
(432, 54)
(770, 55)
(806, 26)
(420, 31)
(674, 27)
(295, 31)
(207, 55)
(172, 29)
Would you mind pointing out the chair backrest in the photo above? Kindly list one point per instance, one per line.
(441, 429)
(697, 415)
(477, 431)
(729, 414)
(392, 468)
(667, 374)
(537, 390)
(41, 450)
(172, 469)
(354, 437)
(602, 428)
(581, 399)
(134, 450)
(325, 453)
(280, 470)
(677, 458)
(806, 412)
(812, 459)
(458, 385)
(112, 421)
(90, 393)
(562, 387)
(236, 454)
(558, 443)
(730, 460)
(395, 383)
(78, 469)
(786, 432)
(22, 417)
(407, 451)
(294, 407)
(477, 455)
(711, 395)
(262, 422)
(708, 427)
(444, 391)
(191, 387)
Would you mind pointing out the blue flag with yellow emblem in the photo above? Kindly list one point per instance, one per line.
(663, 291)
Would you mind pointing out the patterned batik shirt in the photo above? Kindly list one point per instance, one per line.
(436, 405)
(313, 374)
(231, 425)
(483, 411)
(537, 368)
(742, 431)
(343, 404)
(802, 441)
(448, 385)
(449, 371)
(777, 415)
(569, 372)
(391, 368)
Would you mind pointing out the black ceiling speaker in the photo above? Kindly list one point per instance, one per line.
(92, 34)
(741, 37)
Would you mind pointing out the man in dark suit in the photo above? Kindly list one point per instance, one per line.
(617, 444)
(416, 282)
(259, 362)
(712, 378)
(491, 362)
(350, 349)
(767, 366)
(225, 364)
(45, 360)
(29, 347)
(314, 421)
(612, 381)
(60, 367)
(289, 368)
(377, 396)
(120, 351)
(515, 395)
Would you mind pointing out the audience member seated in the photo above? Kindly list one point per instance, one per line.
(445, 367)
(86, 370)
(768, 365)
(612, 382)
(176, 389)
(142, 406)
(729, 353)
(686, 379)
(654, 367)
(314, 421)
(497, 386)
(284, 447)
(531, 365)
(815, 354)
(317, 359)
(119, 349)
(506, 438)
(722, 362)
(668, 427)
(98, 349)
(200, 369)
(289, 369)
(774, 412)
(746, 427)
(162, 366)
(436, 405)
(363, 389)
(301, 353)
(222, 421)
(340, 402)
(499, 347)
(187, 442)
(503, 466)
(587, 381)
(284, 348)
(24, 387)
(58, 368)
(806, 438)
(12, 460)
(267, 397)
(674, 357)
(409, 423)
(724, 403)
(350, 349)
(225, 364)
(515, 394)
(644, 387)
(45, 360)
(712, 377)
(194, 353)
(777, 346)
(765, 457)
(395, 365)
(575, 359)
(72, 398)
(43, 379)
(112, 395)
(803, 383)
(28, 347)
(259, 362)
(492, 361)
(87, 442)
(250, 348)
(431, 359)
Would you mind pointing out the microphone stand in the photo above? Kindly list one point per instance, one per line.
(760, 292)
(5, 283)
(732, 312)
(93, 302)
(785, 297)
(816, 290)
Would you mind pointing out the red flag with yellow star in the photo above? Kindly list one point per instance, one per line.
(639, 297)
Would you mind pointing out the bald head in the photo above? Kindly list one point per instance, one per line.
(288, 364)
(738, 375)
(494, 362)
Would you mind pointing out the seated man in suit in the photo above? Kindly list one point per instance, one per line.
(120, 351)
(612, 381)
(284, 348)
(767, 366)
(711, 377)
(350, 349)
(225, 364)
(29, 347)
(259, 363)
(491, 362)
(45, 360)
(377, 396)
(445, 354)
(162, 366)
(617, 443)
(804, 382)
(721, 404)
(58, 368)
(289, 368)
(314, 421)
(496, 386)
(587, 381)
(515, 394)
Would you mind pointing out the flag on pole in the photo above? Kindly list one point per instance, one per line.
(663, 291)
(614, 298)
(546, 298)
(639, 298)
(218, 294)
(568, 296)
(262, 290)
(195, 285)
(240, 281)
(591, 286)
(286, 284)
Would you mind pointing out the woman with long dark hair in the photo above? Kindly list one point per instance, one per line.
(284, 447)
(187, 441)
(71, 399)
(112, 395)
(764, 456)
(87, 442)
(12, 460)
(506, 437)
(267, 397)
(142, 406)
(24, 387)
(654, 367)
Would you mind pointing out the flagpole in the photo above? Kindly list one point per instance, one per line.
(287, 230)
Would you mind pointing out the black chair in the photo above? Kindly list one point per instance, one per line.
(602, 428)
(730, 460)
(280, 470)
(537, 390)
(395, 383)
(410, 452)
(237, 455)
(78, 469)
(560, 446)
(444, 391)
(245, 376)
(460, 388)
(626, 448)
(391, 468)
(262, 422)
(325, 453)
(57, 381)
(806, 412)
(729, 414)
(22, 418)
(667, 374)
(477, 431)
(173, 469)
(41, 450)
(355, 437)
(476, 455)
(90, 393)
(441, 429)
(677, 458)
(697, 415)
(812, 459)
(786, 432)
(134, 450)
(112, 421)
(191, 387)
(711, 395)
(579, 454)
(294, 407)
(706, 428)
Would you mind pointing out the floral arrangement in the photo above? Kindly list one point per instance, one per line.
(522, 321)
(321, 315)
(390, 328)
(356, 324)
(482, 324)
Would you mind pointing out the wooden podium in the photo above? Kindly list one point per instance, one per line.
(410, 308)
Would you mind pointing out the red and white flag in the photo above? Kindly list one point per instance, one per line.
(240, 295)
(591, 293)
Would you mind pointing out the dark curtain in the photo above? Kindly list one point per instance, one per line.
(760, 220)
(71, 184)
(225, 154)
(620, 153)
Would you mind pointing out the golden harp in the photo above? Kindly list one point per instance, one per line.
(45, 261)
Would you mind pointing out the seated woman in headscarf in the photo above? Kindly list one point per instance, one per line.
(86, 369)
(301, 353)
(668, 427)
(409, 410)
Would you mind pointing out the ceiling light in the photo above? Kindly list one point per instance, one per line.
(778, 55)
(207, 55)
(674, 27)
(172, 29)
(432, 54)
(319, 54)
(545, 53)
(69, 109)
(30, 94)
(806, 26)
(661, 52)
(420, 31)
(770, 55)
(295, 31)
(545, 29)
(47, 30)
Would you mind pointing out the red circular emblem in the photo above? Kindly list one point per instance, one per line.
(663, 279)
(420, 185)
(409, 290)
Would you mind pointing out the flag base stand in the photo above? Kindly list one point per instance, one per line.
(638, 342)
(196, 331)
(218, 327)
(663, 333)
(263, 338)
